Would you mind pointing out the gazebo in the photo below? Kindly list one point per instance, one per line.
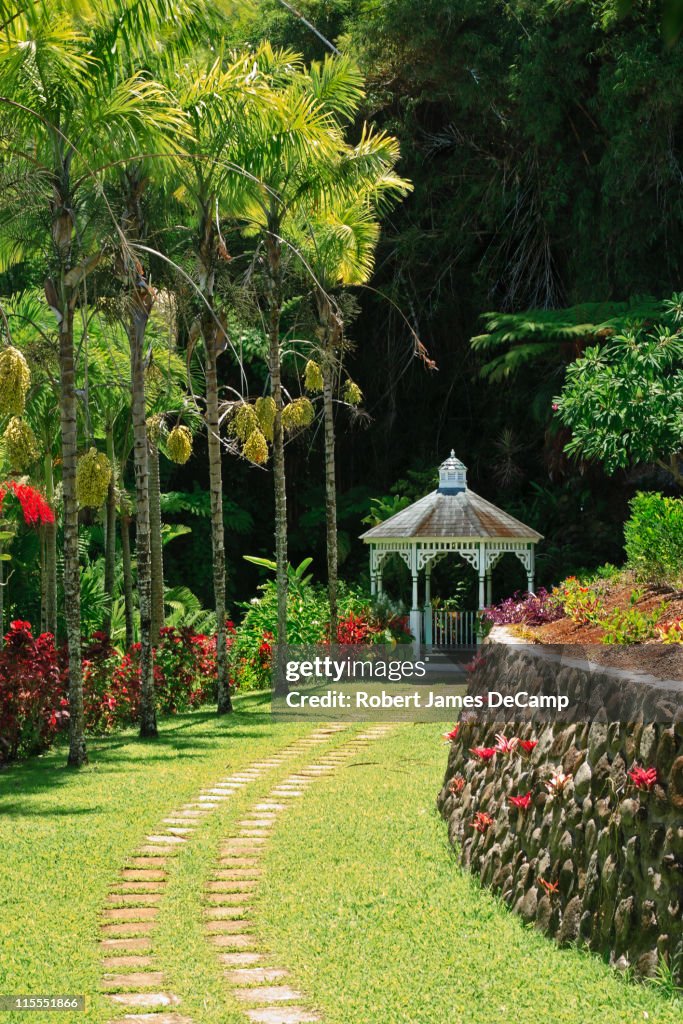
(450, 520)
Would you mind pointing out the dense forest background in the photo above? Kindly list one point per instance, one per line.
(544, 141)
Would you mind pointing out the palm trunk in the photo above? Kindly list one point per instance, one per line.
(224, 703)
(128, 604)
(43, 581)
(110, 537)
(273, 246)
(141, 307)
(72, 576)
(156, 547)
(330, 491)
(50, 551)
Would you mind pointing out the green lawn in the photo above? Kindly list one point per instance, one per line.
(362, 899)
(366, 904)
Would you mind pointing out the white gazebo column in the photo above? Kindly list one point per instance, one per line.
(415, 614)
(489, 587)
(530, 574)
(428, 603)
(482, 576)
(373, 571)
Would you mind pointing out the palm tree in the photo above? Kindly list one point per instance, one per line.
(67, 106)
(291, 151)
(217, 98)
(339, 246)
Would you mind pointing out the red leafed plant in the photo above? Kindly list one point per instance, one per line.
(643, 778)
(456, 785)
(483, 753)
(527, 745)
(34, 507)
(452, 735)
(482, 821)
(521, 802)
(32, 708)
(353, 629)
(551, 888)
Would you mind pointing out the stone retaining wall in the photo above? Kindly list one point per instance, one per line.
(611, 854)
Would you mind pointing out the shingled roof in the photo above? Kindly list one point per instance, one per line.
(463, 514)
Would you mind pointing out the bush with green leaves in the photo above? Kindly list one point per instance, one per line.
(360, 621)
(654, 539)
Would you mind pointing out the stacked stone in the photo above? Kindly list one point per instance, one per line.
(599, 862)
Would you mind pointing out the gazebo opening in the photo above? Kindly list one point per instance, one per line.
(452, 520)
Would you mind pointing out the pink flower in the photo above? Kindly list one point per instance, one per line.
(452, 735)
(505, 745)
(557, 782)
(456, 785)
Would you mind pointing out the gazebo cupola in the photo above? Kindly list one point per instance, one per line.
(452, 475)
(452, 520)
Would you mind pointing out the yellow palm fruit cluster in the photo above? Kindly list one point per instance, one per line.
(179, 445)
(20, 444)
(256, 448)
(265, 413)
(313, 376)
(299, 413)
(93, 475)
(352, 393)
(15, 380)
(154, 428)
(245, 422)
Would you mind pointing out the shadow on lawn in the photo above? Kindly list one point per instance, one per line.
(181, 736)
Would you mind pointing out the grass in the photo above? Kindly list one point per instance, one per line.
(65, 835)
(366, 905)
(362, 899)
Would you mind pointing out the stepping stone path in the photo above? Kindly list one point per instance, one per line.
(132, 979)
(255, 978)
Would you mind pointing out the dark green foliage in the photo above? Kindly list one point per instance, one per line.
(654, 538)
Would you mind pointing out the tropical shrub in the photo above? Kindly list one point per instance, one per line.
(581, 603)
(630, 625)
(654, 538)
(32, 702)
(359, 622)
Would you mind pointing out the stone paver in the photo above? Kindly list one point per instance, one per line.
(127, 944)
(153, 1018)
(234, 941)
(282, 1015)
(148, 999)
(235, 959)
(267, 994)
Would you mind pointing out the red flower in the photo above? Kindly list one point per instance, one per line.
(483, 753)
(482, 821)
(522, 802)
(452, 735)
(35, 509)
(643, 778)
(550, 887)
(528, 745)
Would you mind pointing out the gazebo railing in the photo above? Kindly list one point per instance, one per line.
(451, 628)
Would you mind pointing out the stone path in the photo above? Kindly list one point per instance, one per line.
(256, 979)
(132, 977)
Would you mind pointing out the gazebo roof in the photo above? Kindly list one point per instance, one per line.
(451, 512)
